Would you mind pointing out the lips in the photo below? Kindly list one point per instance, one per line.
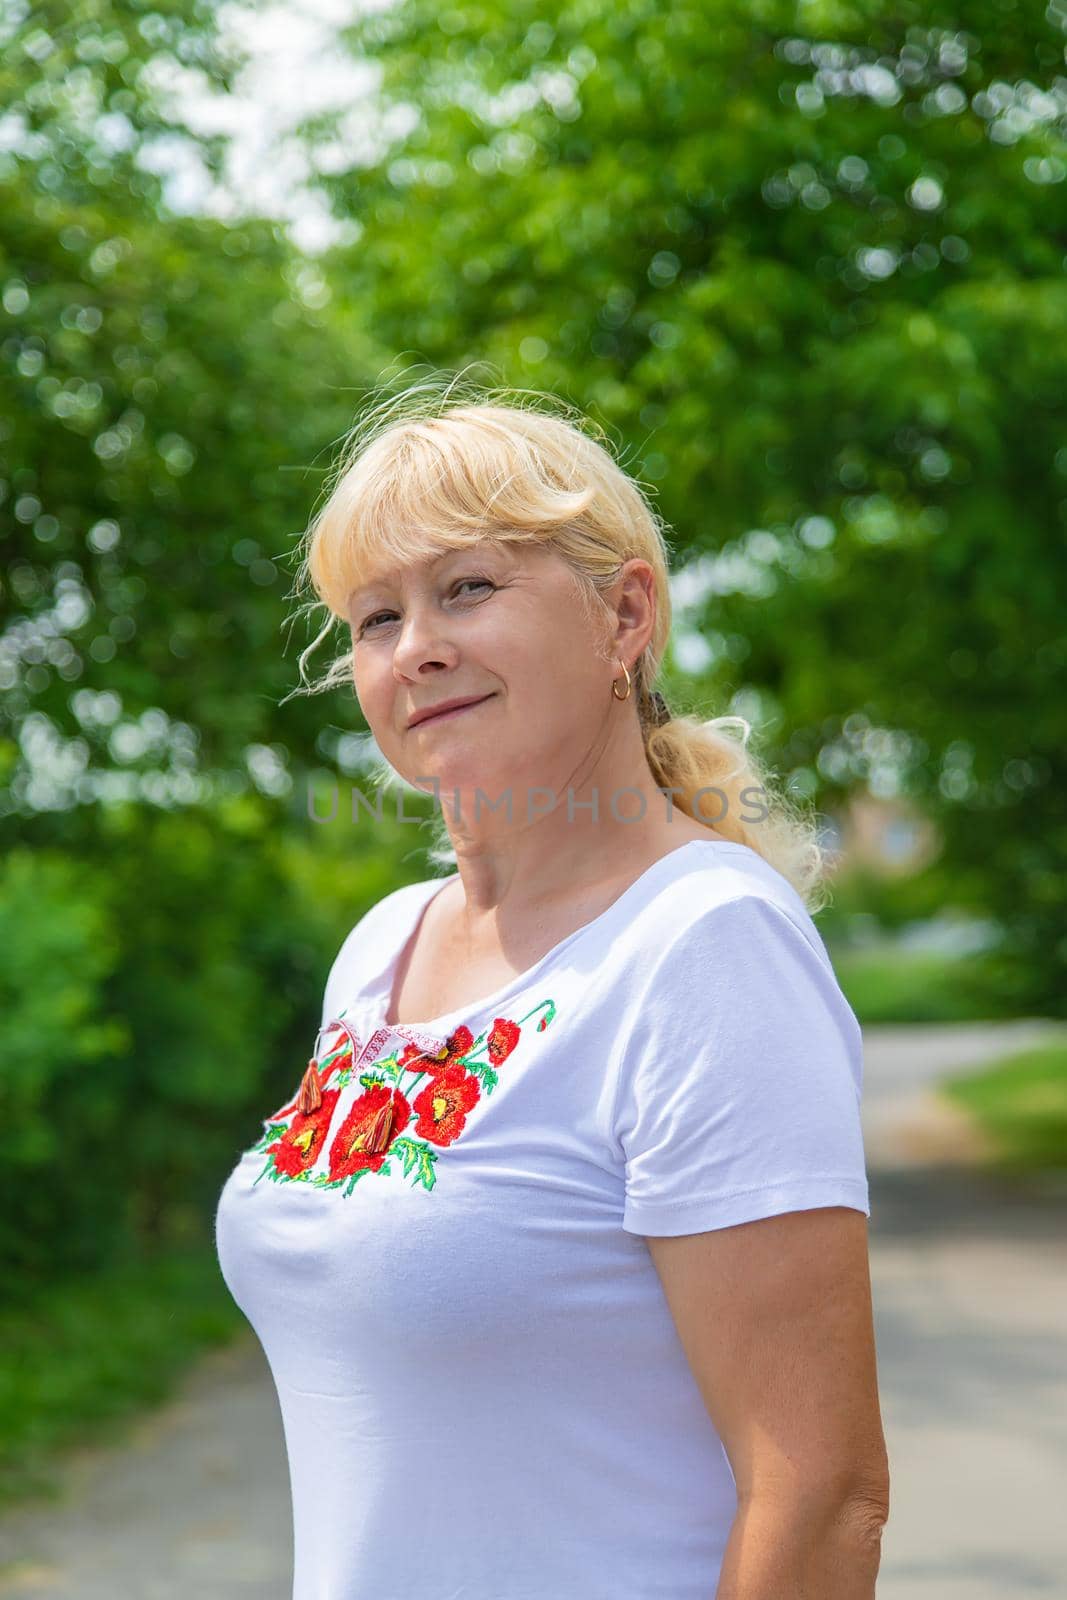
(451, 711)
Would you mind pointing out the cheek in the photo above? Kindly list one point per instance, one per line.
(558, 663)
(372, 687)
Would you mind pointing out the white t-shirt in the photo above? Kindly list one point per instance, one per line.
(483, 1393)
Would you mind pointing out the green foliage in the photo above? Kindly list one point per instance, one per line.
(170, 398)
(806, 263)
(87, 1353)
(897, 986)
(60, 1046)
(888, 902)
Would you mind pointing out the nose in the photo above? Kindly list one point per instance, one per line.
(421, 642)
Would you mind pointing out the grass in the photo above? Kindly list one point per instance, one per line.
(902, 986)
(1021, 1104)
(85, 1354)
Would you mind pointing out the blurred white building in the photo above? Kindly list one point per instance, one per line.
(888, 837)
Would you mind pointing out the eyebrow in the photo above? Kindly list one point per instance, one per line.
(388, 576)
(382, 578)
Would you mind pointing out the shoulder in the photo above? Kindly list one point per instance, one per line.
(725, 893)
(732, 932)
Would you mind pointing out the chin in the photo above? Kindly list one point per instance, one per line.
(468, 770)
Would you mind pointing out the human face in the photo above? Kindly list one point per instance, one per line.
(496, 621)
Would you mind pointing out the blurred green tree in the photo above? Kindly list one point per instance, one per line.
(170, 386)
(167, 384)
(807, 262)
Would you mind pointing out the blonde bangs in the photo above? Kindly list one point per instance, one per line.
(429, 485)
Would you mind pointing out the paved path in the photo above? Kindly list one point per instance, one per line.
(970, 1290)
(970, 1293)
(193, 1504)
(969, 1279)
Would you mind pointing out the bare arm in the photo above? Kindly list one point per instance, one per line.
(775, 1319)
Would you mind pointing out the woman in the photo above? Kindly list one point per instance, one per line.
(558, 1254)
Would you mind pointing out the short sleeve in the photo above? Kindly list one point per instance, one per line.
(740, 1078)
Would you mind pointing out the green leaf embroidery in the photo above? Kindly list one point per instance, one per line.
(418, 1158)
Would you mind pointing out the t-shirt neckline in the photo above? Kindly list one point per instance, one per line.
(378, 993)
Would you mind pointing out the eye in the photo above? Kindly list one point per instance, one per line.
(372, 620)
(479, 583)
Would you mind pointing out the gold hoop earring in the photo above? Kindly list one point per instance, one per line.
(614, 681)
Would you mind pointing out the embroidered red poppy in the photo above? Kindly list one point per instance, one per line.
(374, 1120)
(443, 1104)
(457, 1045)
(299, 1145)
(503, 1037)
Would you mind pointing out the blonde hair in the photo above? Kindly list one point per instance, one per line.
(439, 467)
